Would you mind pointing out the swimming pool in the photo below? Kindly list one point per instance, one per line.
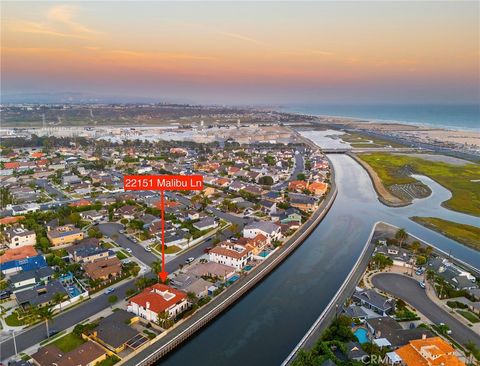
(362, 335)
(264, 253)
(247, 268)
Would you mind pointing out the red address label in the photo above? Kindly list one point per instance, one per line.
(162, 182)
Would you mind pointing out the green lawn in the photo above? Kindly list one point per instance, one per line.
(465, 234)
(359, 140)
(109, 361)
(171, 249)
(13, 321)
(459, 179)
(471, 317)
(68, 342)
(121, 255)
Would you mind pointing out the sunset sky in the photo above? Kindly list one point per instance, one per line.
(262, 52)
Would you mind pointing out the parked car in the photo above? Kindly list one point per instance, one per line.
(109, 290)
(189, 260)
(52, 332)
(148, 249)
(422, 284)
(128, 250)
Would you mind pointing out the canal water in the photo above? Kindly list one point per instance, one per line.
(264, 326)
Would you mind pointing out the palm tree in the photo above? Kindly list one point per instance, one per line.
(401, 235)
(156, 268)
(414, 247)
(45, 313)
(58, 299)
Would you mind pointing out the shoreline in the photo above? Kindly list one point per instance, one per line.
(372, 120)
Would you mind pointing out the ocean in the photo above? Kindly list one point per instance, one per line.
(451, 116)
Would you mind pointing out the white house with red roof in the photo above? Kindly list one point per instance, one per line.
(157, 299)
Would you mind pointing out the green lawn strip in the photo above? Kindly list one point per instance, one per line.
(465, 234)
(68, 342)
(109, 361)
(121, 255)
(459, 179)
(471, 317)
(13, 321)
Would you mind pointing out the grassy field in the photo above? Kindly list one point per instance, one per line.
(459, 179)
(465, 234)
(68, 342)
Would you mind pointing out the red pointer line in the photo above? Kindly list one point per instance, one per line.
(163, 273)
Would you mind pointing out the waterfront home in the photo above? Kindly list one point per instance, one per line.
(230, 254)
(388, 328)
(66, 234)
(158, 299)
(428, 351)
(400, 257)
(256, 244)
(19, 236)
(269, 229)
(371, 299)
(116, 333)
(318, 188)
(212, 270)
(355, 351)
(87, 354)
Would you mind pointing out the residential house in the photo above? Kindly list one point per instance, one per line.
(269, 229)
(256, 244)
(63, 235)
(27, 279)
(297, 185)
(40, 295)
(355, 352)
(116, 334)
(92, 215)
(371, 299)
(22, 258)
(206, 224)
(388, 328)
(103, 269)
(230, 254)
(432, 351)
(87, 354)
(211, 269)
(19, 237)
(158, 299)
(302, 202)
(318, 188)
(126, 212)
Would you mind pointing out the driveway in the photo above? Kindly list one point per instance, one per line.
(410, 291)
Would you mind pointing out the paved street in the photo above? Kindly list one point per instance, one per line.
(409, 290)
(112, 230)
(297, 169)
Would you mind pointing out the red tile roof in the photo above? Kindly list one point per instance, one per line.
(159, 297)
(18, 253)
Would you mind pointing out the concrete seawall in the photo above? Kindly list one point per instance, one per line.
(209, 312)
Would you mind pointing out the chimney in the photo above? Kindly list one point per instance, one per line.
(147, 305)
(424, 336)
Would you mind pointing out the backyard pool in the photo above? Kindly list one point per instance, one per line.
(362, 335)
(247, 268)
(264, 253)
